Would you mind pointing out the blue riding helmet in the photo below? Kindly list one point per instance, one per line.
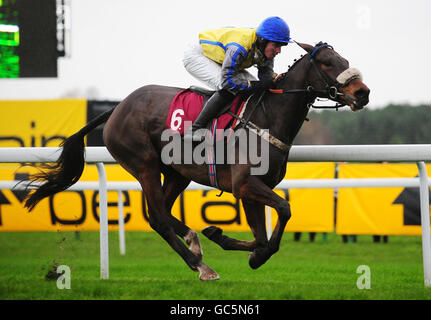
(274, 29)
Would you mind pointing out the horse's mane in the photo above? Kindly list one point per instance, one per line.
(283, 75)
(296, 61)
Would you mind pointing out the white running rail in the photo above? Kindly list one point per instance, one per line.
(352, 153)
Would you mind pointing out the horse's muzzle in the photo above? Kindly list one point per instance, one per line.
(356, 94)
(362, 97)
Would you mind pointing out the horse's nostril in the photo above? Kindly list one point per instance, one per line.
(362, 93)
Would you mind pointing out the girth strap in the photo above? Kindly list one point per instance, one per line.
(263, 133)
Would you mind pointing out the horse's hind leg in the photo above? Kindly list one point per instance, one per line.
(144, 166)
(173, 185)
(160, 222)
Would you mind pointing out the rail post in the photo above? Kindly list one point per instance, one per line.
(268, 222)
(103, 205)
(121, 233)
(425, 222)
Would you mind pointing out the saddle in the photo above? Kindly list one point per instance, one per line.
(188, 103)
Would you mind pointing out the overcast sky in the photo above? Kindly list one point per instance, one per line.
(118, 46)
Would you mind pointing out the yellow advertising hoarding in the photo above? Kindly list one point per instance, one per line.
(378, 211)
(69, 210)
(203, 208)
(78, 210)
(43, 123)
(312, 209)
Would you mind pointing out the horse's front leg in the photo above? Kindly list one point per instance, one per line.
(255, 215)
(261, 255)
(254, 190)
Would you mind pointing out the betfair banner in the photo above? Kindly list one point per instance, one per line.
(79, 210)
(41, 123)
(379, 211)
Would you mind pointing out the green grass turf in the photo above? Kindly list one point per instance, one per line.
(152, 270)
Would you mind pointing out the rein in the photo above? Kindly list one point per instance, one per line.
(331, 94)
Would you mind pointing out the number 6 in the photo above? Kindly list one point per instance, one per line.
(176, 121)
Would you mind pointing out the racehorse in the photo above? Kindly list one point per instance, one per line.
(132, 134)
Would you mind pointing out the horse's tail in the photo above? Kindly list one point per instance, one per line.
(68, 168)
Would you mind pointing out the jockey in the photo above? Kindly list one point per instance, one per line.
(221, 57)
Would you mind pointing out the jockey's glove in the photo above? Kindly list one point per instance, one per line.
(260, 86)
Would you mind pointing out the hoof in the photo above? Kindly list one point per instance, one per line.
(212, 232)
(206, 273)
(258, 258)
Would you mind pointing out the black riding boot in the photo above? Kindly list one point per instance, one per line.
(210, 110)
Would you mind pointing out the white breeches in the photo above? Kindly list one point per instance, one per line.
(206, 70)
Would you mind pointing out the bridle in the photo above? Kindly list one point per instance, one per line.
(331, 90)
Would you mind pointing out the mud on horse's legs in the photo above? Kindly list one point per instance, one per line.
(149, 178)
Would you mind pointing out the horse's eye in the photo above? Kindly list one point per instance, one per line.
(326, 65)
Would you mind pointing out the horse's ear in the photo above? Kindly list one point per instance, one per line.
(307, 47)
